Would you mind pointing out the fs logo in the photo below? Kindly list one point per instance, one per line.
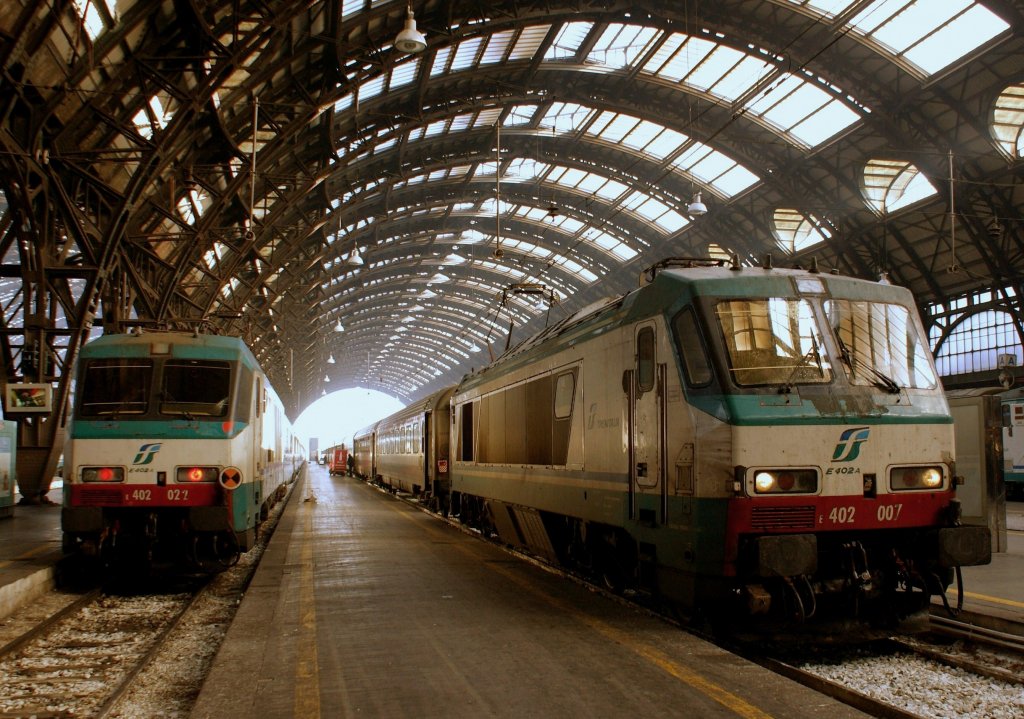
(146, 453)
(849, 444)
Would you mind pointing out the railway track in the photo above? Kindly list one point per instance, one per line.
(81, 660)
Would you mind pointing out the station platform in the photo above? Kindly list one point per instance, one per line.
(365, 605)
(30, 548)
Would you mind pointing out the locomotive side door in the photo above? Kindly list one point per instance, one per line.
(647, 429)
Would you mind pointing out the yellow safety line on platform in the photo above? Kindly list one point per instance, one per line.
(307, 668)
(707, 687)
(26, 555)
(987, 598)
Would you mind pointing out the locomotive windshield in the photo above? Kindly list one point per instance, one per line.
(115, 387)
(879, 344)
(773, 340)
(193, 388)
(778, 341)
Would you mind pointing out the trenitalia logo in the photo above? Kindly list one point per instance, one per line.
(849, 444)
(146, 453)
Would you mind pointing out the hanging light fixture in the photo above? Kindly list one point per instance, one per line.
(409, 39)
(330, 358)
(326, 378)
(338, 327)
(353, 257)
(696, 208)
(323, 393)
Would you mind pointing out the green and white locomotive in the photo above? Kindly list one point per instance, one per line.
(177, 447)
(763, 446)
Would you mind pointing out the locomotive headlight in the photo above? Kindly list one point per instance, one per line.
(785, 481)
(904, 478)
(102, 474)
(764, 481)
(192, 475)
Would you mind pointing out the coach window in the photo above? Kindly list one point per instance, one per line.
(691, 348)
(645, 359)
(466, 434)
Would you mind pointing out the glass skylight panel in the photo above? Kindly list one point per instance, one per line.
(497, 45)
(351, 7)
(404, 73)
(655, 139)
(656, 211)
(929, 33)
(435, 128)
(739, 78)
(370, 88)
(827, 7)
(530, 40)
(487, 118)
(620, 45)
(726, 73)
(612, 126)
(460, 123)
(568, 41)
(712, 165)
(520, 115)
(343, 103)
(795, 231)
(826, 122)
(804, 110)
(677, 56)
(1008, 121)
(465, 53)
(90, 15)
(565, 116)
(892, 184)
(970, 30)
(568, 224)
(734, 181)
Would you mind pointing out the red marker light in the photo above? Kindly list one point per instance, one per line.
(105, 474)
(786, 481)
(195, 475)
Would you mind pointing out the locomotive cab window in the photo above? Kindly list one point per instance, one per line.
(879, 344)
(773, 341)
(195, 388)
(696, 365)
(116, 387)
(565, 389)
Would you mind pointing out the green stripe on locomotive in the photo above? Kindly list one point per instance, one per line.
(177, 428)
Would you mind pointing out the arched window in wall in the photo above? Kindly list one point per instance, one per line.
(795, 231)
(891, 185)
(1008, 121)
(965, 336)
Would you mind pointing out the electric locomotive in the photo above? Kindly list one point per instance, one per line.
(764, 447)
(177, 447)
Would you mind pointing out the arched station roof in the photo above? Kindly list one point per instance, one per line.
(280, 170)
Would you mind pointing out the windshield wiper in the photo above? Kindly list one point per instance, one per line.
(880, 379)
(813, 353)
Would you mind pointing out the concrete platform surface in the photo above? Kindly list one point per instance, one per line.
(29, 551)
(363, 605)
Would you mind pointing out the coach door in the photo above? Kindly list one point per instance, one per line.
(647, 429)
